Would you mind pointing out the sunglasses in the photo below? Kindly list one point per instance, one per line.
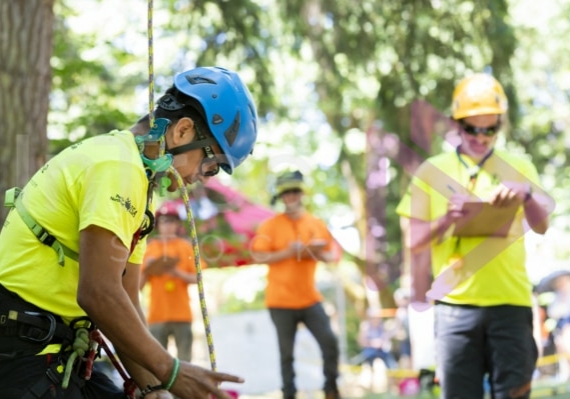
(209, 166)
(292, 191)
(485, 131)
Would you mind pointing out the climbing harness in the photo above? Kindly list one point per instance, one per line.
(13, 199)
(74, 367)
(26, 330)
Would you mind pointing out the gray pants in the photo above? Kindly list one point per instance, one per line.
(182, 333)
(318, 324)
(472, 342)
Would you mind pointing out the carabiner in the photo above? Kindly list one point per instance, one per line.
(49, 335)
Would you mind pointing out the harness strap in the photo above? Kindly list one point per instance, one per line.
(51, 379)
(46, 327)
(13, 199)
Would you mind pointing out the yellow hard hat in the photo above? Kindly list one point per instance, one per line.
(478, 94)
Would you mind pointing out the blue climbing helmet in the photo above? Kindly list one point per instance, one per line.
(228, 109)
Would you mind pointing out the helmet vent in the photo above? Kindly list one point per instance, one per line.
(196, 80)
(233, 130)
(217, 119)
(170, 103)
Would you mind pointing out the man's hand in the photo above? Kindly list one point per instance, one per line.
(161, 265)
(314, 250)
(509, 193)
(455, 207)
(194, 382)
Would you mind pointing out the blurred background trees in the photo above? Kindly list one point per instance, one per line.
(354, 96)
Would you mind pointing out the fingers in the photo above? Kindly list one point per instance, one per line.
(224, 377)
(195, 382)
(455, 209)
(504, 196)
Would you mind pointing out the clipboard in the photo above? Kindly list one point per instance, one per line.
(484, 220)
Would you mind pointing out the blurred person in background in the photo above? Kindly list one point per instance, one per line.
(169, 269)
(402, 327)
(375, 340)
(291, 244)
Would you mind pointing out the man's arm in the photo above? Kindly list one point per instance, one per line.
(537, 205)
(536, 213)
(187, 277)
(131, 282)
(420, 260)
(102, 295)
(277, 256)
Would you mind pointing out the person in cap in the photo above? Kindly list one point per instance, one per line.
(74, 241)
(481, 292)
(168, 270)
(292, 243)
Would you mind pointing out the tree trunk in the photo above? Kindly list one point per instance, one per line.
(26, 32)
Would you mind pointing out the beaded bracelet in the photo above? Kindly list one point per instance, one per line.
(174, 374)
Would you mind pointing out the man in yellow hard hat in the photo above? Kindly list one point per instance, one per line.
(481, 291)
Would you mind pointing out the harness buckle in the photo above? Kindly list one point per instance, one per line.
(46, 238)
(49, 334)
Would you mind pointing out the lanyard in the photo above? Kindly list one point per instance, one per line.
(472, 171)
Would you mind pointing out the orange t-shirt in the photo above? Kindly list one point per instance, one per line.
(291, 282)
(169, 299)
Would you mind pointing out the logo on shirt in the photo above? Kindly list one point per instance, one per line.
(126, 203)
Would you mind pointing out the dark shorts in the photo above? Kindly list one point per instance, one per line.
(472, 342)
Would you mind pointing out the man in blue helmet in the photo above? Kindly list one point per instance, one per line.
(72, 245)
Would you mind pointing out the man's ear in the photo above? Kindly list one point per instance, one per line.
(183, 131)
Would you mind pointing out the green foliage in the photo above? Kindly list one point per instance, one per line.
(322, 73)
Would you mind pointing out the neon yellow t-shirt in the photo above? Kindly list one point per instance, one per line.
(494, 271)
(98, 181)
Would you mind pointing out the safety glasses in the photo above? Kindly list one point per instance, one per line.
(209, 166)
(485, 131)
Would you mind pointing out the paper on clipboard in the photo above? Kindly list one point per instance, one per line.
(484, 220)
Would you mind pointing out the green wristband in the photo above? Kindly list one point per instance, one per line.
(174, 374)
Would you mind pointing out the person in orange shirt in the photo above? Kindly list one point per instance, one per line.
(169, 268)
(291, 244)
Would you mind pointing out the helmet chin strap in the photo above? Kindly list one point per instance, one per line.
(158, 167)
